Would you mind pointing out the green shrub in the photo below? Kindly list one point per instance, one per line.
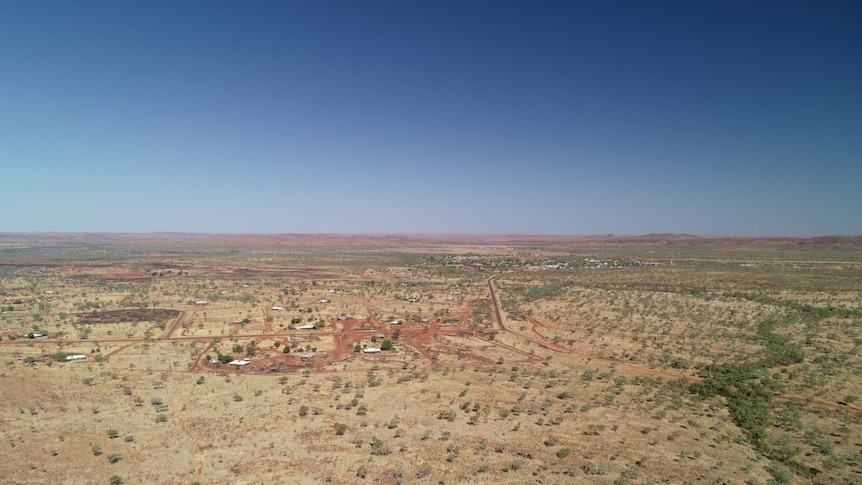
(591, 468)
(781, 474)
(424, 470)
(379, 448)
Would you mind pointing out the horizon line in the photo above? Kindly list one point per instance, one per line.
(426, 234)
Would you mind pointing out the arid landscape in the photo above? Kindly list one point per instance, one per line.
(169, 358)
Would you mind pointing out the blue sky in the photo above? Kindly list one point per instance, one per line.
(712, 118)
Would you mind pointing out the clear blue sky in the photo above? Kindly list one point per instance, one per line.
(712, 118)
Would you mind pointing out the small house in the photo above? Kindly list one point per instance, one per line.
(371, 350)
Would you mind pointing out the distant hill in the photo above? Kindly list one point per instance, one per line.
(7, 239)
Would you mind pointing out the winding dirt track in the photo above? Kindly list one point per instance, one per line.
(267, 323)
(169, 333)
(200, 448)
(200, 356)
(550, 345)
(632, 367)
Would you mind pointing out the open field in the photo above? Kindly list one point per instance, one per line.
(659, 359)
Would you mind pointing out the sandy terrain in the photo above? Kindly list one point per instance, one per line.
(512, 360)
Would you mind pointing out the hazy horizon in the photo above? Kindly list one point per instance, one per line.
(549, 118)
(426, 234)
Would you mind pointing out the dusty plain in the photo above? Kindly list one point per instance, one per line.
(505, 359)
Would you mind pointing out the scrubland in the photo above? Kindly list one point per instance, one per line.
(506, 360)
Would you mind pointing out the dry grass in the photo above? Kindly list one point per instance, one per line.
(587, 381)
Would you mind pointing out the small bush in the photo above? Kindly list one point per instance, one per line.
(591, 468)
(515, 465)
(824, 448)
(781, 474)
(379, 448)
(447, 414)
